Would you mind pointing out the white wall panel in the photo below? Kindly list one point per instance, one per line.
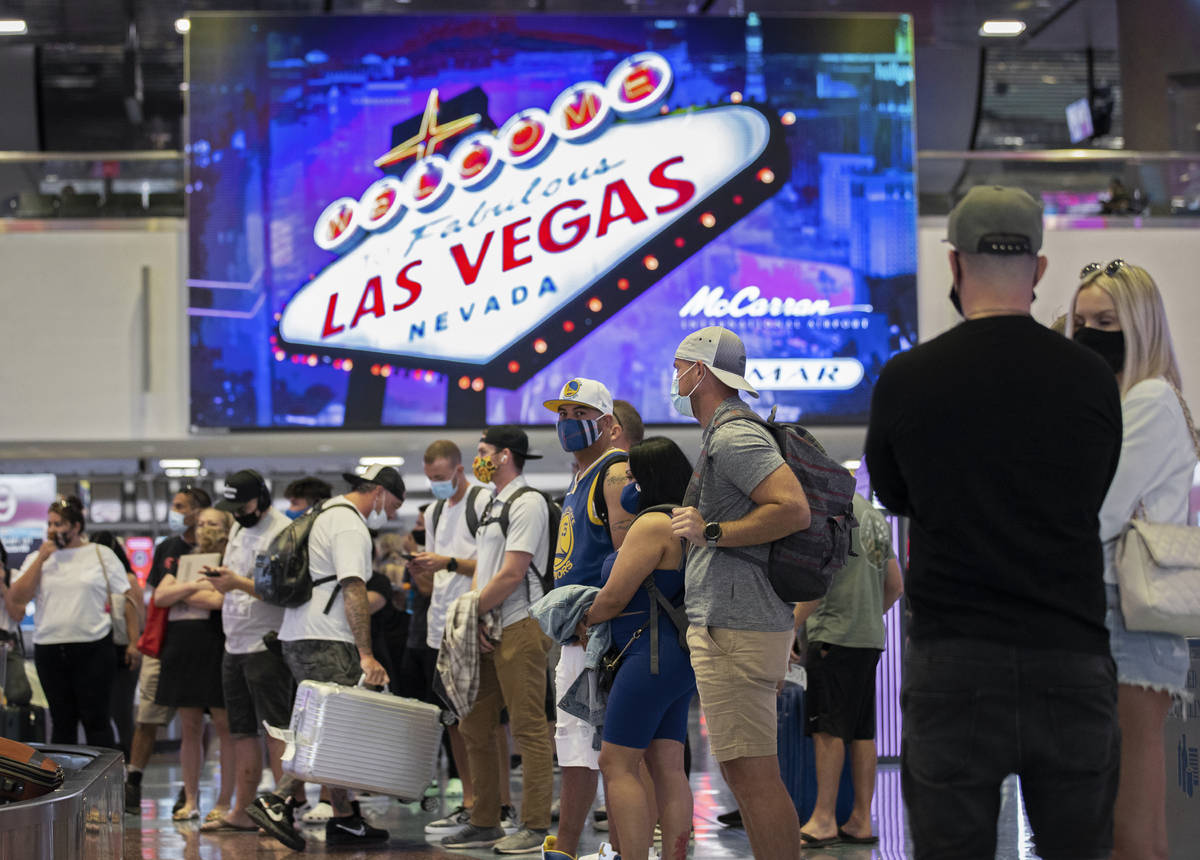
(74, 334)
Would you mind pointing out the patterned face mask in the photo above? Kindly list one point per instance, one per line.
(484, 469)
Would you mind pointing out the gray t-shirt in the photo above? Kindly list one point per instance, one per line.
(723, 590)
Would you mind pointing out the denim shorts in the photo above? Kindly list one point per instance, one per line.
(1158, 661)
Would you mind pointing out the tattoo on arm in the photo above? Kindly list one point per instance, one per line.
(358, 613)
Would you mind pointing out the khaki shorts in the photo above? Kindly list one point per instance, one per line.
(148, 711)
(737, 675)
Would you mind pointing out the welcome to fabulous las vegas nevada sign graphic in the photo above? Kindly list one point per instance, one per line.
(472, 258)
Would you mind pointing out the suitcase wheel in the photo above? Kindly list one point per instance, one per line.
(430, 804)
(447, 717)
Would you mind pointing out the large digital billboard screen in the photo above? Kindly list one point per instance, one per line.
(437, 221)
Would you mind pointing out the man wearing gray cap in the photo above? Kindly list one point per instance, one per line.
(999, 439)
(739, 631)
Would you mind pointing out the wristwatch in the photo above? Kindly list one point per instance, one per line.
(452, 564)
(712, 533)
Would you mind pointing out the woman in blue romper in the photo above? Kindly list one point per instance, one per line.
(647, 714)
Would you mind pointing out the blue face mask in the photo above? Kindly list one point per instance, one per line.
(293, 515)
(176, 522)
(631, 497)
(442, 489)
(575, 434)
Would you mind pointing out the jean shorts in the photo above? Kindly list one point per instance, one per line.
(1157, 661)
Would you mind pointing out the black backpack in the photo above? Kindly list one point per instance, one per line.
(800, 565)
(281, 575)
(554, 513)
(435, 513)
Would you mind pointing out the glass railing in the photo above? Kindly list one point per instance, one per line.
(1073, 182)
(92, 184)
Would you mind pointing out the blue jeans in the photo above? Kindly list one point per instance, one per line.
(975, 712)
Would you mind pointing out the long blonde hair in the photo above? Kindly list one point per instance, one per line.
(1143, 320)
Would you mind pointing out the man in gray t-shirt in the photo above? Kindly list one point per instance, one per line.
(740, 632)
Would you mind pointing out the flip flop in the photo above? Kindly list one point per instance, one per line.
(807, 840)
(183, 815)
(222, 825)
(216, 814)
(857, 840)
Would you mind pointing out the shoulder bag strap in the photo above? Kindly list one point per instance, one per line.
(1187, 416)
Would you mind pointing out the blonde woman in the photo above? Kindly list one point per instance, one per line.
(190, 679)
(1118, 312)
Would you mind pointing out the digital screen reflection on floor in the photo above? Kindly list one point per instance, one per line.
(436, 221)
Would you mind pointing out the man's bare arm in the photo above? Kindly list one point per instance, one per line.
(619, 519)
(358, 613)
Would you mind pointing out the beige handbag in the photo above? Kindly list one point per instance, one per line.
(1158, 570)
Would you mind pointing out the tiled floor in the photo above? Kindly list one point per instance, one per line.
(156, 837)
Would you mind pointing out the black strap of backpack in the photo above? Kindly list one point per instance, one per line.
(436, 514)
(677, 614)
(472, 512)
(324, 579)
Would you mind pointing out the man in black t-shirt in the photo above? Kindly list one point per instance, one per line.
(999, 439)
(186, 506)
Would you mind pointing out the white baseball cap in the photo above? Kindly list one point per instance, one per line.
(583, 392)
(722, 351)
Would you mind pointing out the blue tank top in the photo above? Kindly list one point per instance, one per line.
(669, 582)
(583, 538)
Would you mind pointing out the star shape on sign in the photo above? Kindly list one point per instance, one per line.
(431, 133)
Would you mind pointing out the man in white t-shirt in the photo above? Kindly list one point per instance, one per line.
(328, 638)
(450, 526)
(512, 672)
(257, 684)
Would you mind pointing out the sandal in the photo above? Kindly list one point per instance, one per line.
(222, 825)
(185, 814)
(216, 814)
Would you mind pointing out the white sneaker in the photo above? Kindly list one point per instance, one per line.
(455, 821)
(319, 814)
(606, 852)
(509, 820)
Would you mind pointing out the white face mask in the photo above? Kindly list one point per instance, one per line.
(683, 402)
(377, 519)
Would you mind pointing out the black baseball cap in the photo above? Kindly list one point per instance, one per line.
(240, 487)
(509, 436)
(385, 476)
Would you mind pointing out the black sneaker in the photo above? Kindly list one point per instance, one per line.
(733, 818)
(275, 815)
(472, 836)
(133, 799)
(352, 830)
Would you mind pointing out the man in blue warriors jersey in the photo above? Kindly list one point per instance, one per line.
(593, 525)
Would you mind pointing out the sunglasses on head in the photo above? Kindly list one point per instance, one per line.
(1109, 269)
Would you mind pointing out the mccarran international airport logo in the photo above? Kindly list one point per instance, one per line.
(512, 245)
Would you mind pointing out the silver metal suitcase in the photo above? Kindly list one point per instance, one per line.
(357, 738)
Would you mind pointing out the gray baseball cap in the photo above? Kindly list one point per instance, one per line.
(723, 352)
(993, 219)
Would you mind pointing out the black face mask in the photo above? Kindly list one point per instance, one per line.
(955, 300)
(418, 535)
(248, 521)
(1109, 345)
